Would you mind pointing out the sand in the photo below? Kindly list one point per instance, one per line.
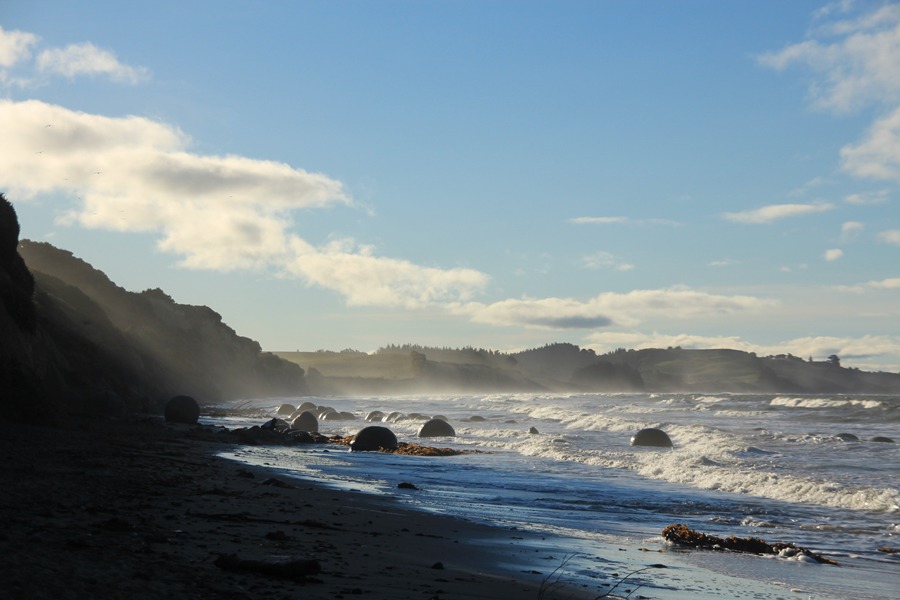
(137, 508)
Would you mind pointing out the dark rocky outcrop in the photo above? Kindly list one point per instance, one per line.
(72, 342)
(183, 349)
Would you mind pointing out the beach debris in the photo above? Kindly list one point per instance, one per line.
(182, 409)
(685, 536)
(373, 437)
(651, 436)
(290, 569)
(888, 550)
(533, 431)
(436, 428)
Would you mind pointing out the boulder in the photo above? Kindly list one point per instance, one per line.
(881, 438)
(376, 416)
(373, 437)
(307, 406)
(182, 409)
(436, 428)
(285, 409)
(651, 437)
(847, 437)
(305, 421)
(334, 415)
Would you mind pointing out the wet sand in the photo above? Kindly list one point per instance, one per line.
(140, 509)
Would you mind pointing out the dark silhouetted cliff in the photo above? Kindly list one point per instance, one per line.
(73, 342)
(184, 349)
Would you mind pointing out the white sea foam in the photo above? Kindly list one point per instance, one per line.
(825, 402)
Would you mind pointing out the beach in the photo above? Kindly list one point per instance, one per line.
(137, 508)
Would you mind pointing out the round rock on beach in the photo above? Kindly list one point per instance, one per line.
(305, 421)
(372, 438)
(436, 428)
(182, 409)
(651, 436)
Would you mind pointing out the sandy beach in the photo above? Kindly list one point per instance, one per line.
(140, 509)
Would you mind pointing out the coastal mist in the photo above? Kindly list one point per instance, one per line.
(819, 471)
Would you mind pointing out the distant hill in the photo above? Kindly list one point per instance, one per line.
(566, 368)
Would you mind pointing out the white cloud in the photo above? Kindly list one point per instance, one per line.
(87, 59)
(774, 212)
(605, 260)
(15, 47)
(597, 220)
(877, 156)
(611, 308)
(367, 280)
(216, 212)
(725, 262)
(891, 236)
(833, 254)
(864, 198)
(892, 283)
(851, 230)
(860, 67)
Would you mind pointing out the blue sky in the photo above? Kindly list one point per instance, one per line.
(332, 175)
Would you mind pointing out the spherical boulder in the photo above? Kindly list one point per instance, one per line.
(305, 421)
(182, 409)
(285, 409)
(334, 415)
(847, 437)
(307, 406)
(376, 416)
(882, 439)
(373, 437)
(651, 436)
(436, 428)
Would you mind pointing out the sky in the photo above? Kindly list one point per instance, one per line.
(497, 174)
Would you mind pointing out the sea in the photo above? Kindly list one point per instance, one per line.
(802, 469)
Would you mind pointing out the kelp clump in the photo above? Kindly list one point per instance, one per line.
(685, 536)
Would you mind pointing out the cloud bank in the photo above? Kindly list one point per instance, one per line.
(216, 212)
(611, 308)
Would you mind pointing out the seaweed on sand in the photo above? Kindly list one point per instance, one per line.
(685, 536)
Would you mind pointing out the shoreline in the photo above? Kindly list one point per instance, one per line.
(141, 508)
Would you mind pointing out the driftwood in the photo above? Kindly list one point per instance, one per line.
(291, 569)
(685, 536)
